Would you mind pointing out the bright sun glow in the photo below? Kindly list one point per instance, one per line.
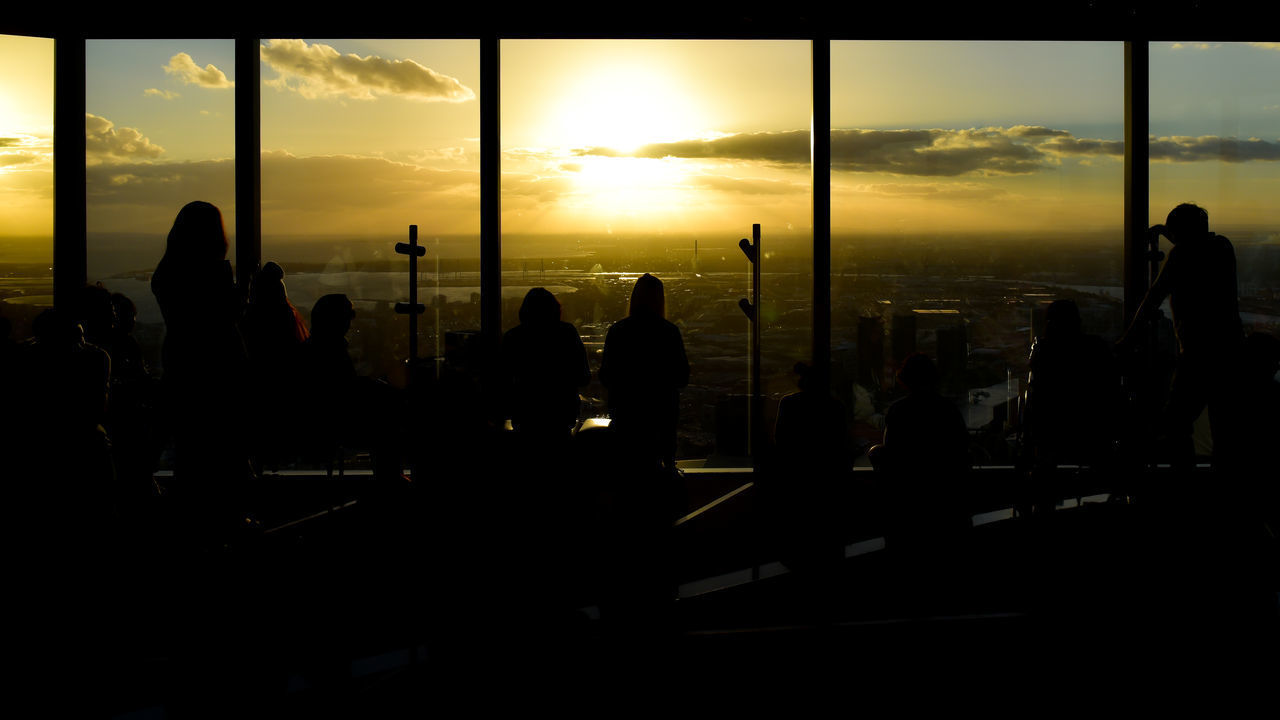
(624, 106)
(609, 186)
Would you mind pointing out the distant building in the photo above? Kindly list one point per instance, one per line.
(871, 352)
(903, 341)
(953, 358)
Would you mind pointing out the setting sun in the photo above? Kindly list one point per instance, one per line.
(624, 105)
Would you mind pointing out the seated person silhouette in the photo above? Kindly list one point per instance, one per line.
(1199, 278)
(812, 456)
(543, 364)
(62, 390)
(338, 407)
(1073, 394)
(127, 362)
(924, 460)
(136, 440)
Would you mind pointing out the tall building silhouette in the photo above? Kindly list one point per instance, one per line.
(871, 352)
(903, 341)
(953, 357)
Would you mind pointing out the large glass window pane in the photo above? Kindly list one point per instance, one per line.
(360, 140)
(159, 133)
(627, 157)
(972, 183)
(1215, 141)
(26, 180)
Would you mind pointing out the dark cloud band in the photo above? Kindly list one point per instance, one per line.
(1016, 150)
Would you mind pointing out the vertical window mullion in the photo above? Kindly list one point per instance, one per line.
(248, 160)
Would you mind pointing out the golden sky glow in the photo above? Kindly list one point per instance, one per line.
(26, 145)
(646, 137)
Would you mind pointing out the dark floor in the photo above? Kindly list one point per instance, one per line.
(387, 605)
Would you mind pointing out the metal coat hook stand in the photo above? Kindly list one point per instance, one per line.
(413, 308)
(751, 308)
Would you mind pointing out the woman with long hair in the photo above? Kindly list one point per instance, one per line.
(204, 362)
(643, 368)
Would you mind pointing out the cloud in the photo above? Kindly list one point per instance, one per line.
(1196, 46)
(748, 186)
(26, 141)
(780, 147)
(25, 150)
(1209, 147)
(127, 196)
(315, 71)
(1032, 131)
(324, 194)
(156, 92)
(1267, 45)
(19, 158)
(104, 142)
(1083, 146)
(949, 191)
(1016, 150)
(947, 153)
(537, 188)
(451, 155)
(352, 182)
(186, 70)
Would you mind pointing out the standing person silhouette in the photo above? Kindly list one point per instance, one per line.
(1199, 278)
(544, 363)
(204, 364)
(643, 368)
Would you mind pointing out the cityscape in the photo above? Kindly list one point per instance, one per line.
(972, 303)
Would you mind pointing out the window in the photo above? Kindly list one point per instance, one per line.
(627, 157)
(26, 180)
(1215, 141)
(972, 183)
(159, 133)
(360, 140)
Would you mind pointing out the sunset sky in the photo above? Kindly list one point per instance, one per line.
(647, 137)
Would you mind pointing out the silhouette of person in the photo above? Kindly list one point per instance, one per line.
(643, 368)
(336, 404)
(62, 395)
(1073, 392)
(326, 374)
(62, 531)
(96, 315)
(544, 363)
(1199, 278)
(127, 362)
(272, 327)
(273, 332)
(131, 421)
(204, 364)
(924, 457)
(812, 456)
